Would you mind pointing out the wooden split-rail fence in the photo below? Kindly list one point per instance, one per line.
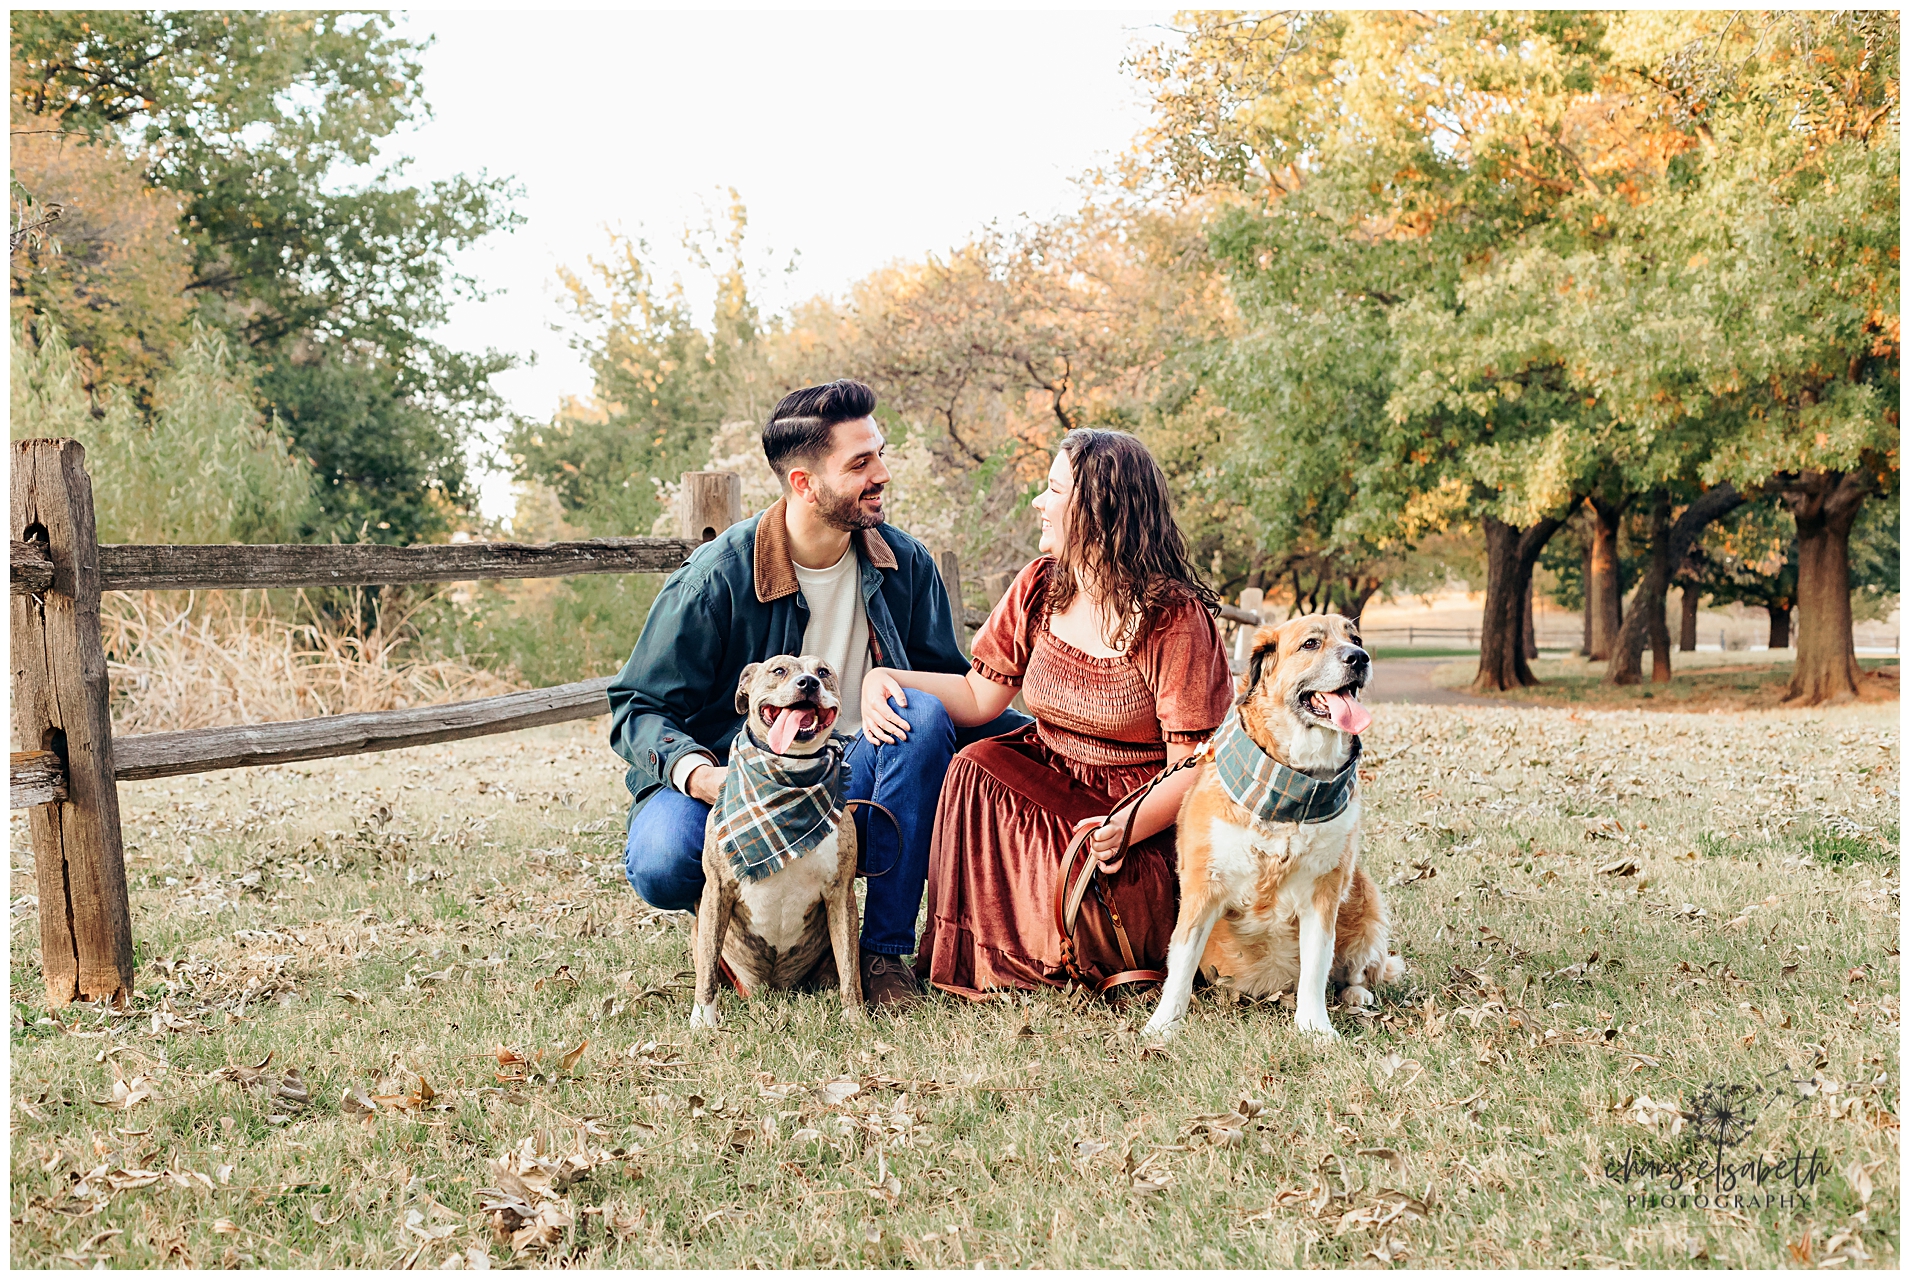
(67, 773)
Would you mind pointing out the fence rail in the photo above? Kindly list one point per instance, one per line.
(135, 567)
(163, 755)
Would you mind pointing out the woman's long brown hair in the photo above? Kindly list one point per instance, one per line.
(1122, 538)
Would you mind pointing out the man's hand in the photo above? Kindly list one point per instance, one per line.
(705, 782)
(879, 720)
(1105, 843)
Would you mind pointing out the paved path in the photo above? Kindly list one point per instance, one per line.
(1410, 680)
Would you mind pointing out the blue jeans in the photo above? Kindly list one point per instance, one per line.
(663, 855)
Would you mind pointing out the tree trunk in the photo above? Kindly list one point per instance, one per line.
(1660, 572)
(1585, 586)
(1529, 629)
(1362, 590)
(1688, 619)
(1780, 625)
(1825, 505)
(1602, 588)
(1510, 555)
(1645, 619)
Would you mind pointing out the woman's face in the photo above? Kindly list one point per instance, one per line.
(1052, 504)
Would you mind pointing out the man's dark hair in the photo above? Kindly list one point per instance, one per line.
(803, 422)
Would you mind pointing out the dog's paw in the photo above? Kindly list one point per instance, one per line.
(703, 1015)
(1159, 1029)
(1316, 1026)
(1392, 969)
(853, 1014)
(1355, 996)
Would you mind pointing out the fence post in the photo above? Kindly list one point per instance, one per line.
(995, 586)
(709, 502)
(1251, 598)
(949, 565)
(60, 704)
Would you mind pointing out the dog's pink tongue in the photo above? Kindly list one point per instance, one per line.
(1346, 712)
(786, 727)
(782, 732)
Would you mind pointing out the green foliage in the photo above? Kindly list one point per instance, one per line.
(388, 469)
(661, 385)
(254, 119)
(203, 468)
(547, 633)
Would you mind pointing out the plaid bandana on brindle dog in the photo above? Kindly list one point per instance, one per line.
(1272, 792)
(773, 808)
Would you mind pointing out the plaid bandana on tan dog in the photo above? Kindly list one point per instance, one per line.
(773, 808)
(1272, 792)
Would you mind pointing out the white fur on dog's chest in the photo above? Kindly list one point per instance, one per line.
(1238, 856)
(780, 903)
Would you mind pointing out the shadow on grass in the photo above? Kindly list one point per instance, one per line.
(1700, 688)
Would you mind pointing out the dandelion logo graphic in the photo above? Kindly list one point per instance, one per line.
(1723, 1115)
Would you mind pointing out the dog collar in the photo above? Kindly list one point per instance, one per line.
(773, 808)
(1272, 792)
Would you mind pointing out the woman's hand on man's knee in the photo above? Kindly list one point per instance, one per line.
(881, 722)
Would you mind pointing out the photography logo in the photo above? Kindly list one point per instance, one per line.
(1704, 1168)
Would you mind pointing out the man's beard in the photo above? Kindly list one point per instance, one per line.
(844, 511)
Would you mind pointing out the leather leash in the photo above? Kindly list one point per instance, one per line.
(1071, 889)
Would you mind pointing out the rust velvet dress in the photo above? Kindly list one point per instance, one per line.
(1009, 805)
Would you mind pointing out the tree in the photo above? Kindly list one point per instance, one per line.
(1750, 559)
(111, 274)
(1751, 302)
(252, 119)
(1426, 152)
(660, 386)
(200, 467)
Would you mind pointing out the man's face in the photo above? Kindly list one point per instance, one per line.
(846, 483)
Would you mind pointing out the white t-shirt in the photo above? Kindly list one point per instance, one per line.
(838, 633)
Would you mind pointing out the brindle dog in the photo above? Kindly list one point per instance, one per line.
(796, 927)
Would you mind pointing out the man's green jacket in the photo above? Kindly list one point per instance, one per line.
(736, 601)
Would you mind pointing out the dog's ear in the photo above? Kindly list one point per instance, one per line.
(742, 687)
(1266, 652)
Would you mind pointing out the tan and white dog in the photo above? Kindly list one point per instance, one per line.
(1283, 905)
(784, 929)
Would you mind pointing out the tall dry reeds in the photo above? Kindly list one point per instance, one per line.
(197, 660)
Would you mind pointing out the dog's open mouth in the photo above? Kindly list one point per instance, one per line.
(1341, 708)
(797, 722)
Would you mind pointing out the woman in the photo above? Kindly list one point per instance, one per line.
(1110, 639)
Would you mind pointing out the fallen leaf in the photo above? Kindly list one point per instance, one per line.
(571, 1056)
(128, 1094)
(840, 1090)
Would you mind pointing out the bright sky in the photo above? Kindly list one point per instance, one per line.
(853, 138)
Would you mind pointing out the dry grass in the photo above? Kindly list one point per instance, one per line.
(1601, 913)
(195, 660)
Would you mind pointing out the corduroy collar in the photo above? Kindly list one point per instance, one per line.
(776, 570)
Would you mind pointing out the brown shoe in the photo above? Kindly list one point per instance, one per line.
(888, 983)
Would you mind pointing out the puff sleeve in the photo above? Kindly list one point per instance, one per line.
(1004, 642)
(1185, 664)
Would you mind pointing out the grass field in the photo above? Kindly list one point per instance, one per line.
(403, 1011)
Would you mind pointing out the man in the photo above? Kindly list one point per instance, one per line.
(818, 573)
